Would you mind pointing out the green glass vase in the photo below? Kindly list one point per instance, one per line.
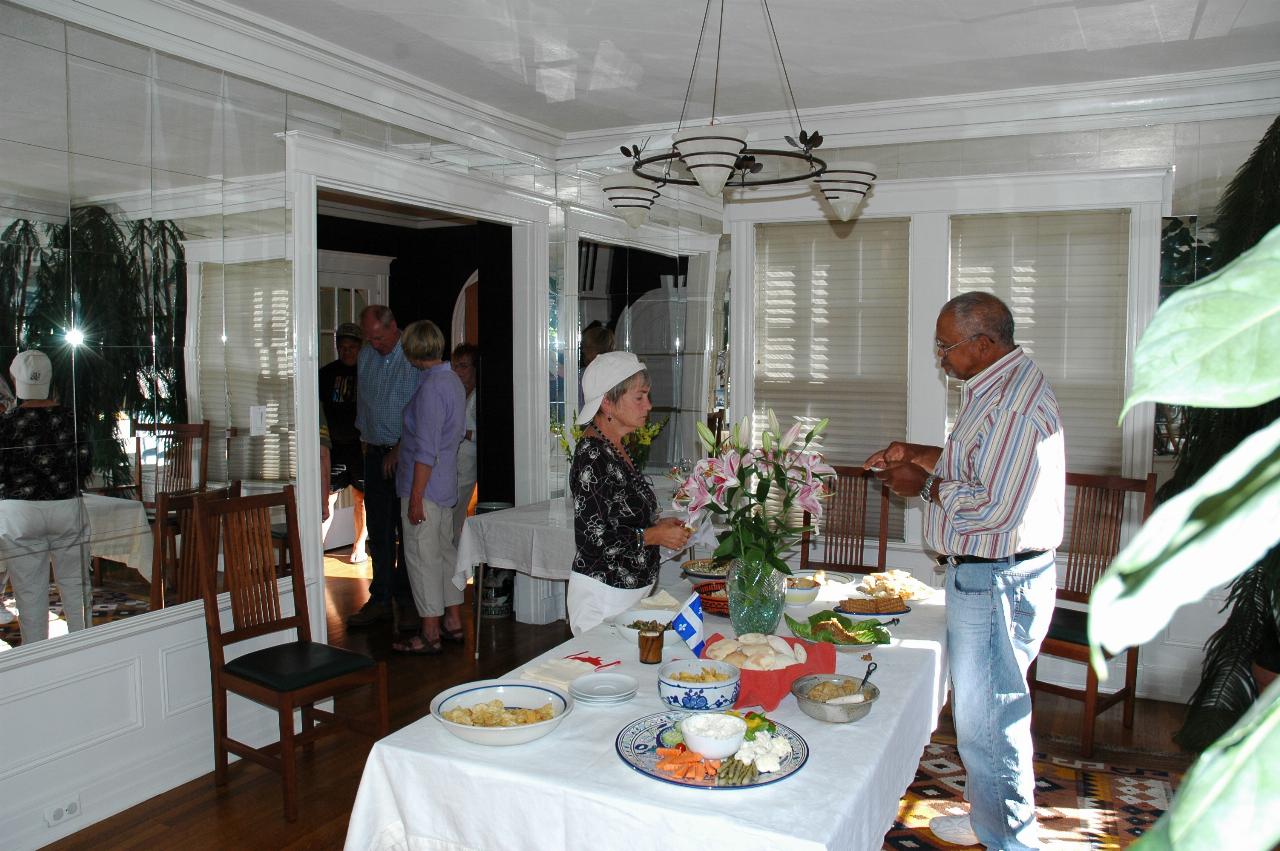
(757, 594)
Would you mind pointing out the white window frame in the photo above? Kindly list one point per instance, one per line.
(929, 204)
(312, 162)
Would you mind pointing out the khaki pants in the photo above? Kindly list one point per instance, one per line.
(34, 534)
(430, 556)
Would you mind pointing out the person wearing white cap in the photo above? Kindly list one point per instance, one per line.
(615, 512)
(42, 463)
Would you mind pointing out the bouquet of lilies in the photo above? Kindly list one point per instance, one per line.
(755, 489)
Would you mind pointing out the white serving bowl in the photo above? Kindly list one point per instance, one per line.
(513, 694)
(698, 697)
(697, 736)
(801, 596)
(670, 638)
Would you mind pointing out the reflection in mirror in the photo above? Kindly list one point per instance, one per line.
(642, 302)
(122, 181)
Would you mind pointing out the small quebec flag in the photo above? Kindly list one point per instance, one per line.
(688, 624)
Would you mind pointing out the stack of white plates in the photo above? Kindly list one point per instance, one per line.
(603, 689)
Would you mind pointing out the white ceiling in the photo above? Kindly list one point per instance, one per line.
(578, 66)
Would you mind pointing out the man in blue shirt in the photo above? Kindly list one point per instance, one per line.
(385, 381)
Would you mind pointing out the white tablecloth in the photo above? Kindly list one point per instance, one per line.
(119, 531)
(424, 788)
(534, 539)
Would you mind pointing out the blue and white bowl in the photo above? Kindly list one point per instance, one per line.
(512, 693)
(698, 697)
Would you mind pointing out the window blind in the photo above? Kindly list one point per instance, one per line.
(831, 334)
(1065, 277)
(246, 359)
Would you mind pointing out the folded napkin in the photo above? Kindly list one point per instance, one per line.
(704, 535)
(557, 672)
(661, 600)
(766, 689)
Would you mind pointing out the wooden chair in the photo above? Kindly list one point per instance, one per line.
(844, 524)
(288, 676)
(178, 467)
(1091, 541)
(182, 465)
(175, 558)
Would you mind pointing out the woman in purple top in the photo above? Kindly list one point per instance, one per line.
(427, 484)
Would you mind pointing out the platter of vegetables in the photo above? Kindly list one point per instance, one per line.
(654, 746)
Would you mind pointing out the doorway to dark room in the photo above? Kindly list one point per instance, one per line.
(423, 264)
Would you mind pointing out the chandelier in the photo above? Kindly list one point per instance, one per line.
(716, 156)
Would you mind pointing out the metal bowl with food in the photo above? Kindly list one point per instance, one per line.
(844, 704)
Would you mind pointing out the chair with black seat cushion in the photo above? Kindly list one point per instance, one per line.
(844, 524)
(1091, 542)
(288, 676)
(175, 560)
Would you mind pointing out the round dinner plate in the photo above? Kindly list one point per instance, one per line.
(603, 687)
(637, 745)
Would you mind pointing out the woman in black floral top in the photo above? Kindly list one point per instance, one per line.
(42, 520)
(615, 513)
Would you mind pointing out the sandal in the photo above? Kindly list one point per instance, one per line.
(417, 646)
(454, 636)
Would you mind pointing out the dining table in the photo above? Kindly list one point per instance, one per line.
(534, 539)
(422, 787)
(119, 531)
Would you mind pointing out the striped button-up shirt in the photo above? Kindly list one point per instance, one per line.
(384, 385)
(1003, 468)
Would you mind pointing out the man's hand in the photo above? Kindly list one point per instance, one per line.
(904, 478)
(416, 512)
(919, 454)
(389, 462)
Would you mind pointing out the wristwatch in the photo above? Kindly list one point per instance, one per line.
(926, 491)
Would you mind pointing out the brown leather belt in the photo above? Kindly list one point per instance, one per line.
(1022, 556)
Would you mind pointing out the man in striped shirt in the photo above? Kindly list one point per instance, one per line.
(993, 515)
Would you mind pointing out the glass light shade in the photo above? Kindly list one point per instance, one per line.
(845, 185)
(710, 153)
(631, 196)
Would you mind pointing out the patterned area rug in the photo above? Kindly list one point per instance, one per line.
(108, 606)
(1080, 804)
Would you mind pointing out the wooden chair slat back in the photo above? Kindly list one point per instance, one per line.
(178, 467)
(844, 527)
(241, 528)
(1092, 538)
(181, 555)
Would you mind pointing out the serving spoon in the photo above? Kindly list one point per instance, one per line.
(870, 668)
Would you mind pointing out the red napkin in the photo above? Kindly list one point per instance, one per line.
(766, 689)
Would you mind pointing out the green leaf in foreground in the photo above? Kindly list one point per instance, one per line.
(1216, 344)
(1200, 539)
(1231, 790)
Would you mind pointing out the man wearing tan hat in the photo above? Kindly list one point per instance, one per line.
(43, 460)
(338, 398)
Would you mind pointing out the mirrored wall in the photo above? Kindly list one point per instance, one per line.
(662, 308)
(143, 233)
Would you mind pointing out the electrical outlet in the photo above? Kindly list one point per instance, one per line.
(57, 814)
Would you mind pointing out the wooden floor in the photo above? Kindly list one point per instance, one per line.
(247, 813)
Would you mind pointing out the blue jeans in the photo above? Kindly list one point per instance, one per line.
(997, 615)
(382, 519)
